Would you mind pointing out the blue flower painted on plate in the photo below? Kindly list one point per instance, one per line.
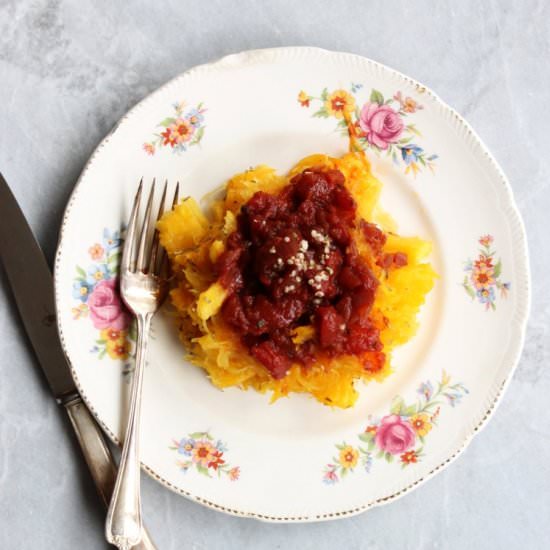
(411, 153)
(367, 462)
(96, 273)
(81, 290)
(111, 239)
(186, 446)
(486, 295)
(195, 118)
(221, 446)
(426, 390)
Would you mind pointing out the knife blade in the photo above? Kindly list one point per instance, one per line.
(31, 281)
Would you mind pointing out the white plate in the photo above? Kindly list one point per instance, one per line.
(281, 462)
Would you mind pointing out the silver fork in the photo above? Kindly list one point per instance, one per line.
(143, 289)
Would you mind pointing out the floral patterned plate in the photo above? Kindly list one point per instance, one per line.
(296, 460)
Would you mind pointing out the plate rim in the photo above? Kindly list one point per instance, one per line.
(509, 205)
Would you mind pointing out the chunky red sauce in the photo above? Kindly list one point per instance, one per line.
(292, 262)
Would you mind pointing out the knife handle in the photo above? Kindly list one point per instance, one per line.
(98, 455)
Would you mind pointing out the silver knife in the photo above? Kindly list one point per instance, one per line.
(34, 296)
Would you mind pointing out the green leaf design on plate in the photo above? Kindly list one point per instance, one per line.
(81, 273)
(397, 405)
(167, 121)
(200, 133)
(412, 128)
(468, 288)
(202, 470)
(199, 435)
(321, 113)
(376, 97)
(114, 258)
(498, 269)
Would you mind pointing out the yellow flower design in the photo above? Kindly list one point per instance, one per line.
(421, 424)
(483, 277)
(348, 457)
(409, 105)
(339, 103)
(118, 349)
(203, 453)
(303, 99)
(80, 311)
(113, 334)
(96, 251)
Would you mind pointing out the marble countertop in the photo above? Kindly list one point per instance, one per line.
(69, 70)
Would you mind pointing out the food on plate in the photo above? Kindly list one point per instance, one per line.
(295, 283)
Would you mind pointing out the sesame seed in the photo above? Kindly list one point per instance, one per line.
(286, 239)
(342, 327)
(298, 279)
(304, 245)
(272, 250)
(310, 281)
(319, 294)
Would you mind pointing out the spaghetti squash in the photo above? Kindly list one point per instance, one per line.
(295, 283)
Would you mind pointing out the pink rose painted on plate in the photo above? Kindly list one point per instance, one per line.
(400, 436)
(96, 293)
(381, 124)
(106, 310)
(393, 435)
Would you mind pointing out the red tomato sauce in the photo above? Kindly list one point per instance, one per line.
(292, 262)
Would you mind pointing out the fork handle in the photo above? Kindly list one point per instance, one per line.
(123, 526)
(98, 456)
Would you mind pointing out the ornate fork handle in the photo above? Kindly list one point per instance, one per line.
(124, 524)
(143, 288)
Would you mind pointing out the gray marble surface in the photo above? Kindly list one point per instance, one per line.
(70, 69)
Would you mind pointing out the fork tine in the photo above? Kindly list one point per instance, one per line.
(128, 252)
(142, 261)
(163, 257)
(155, 246)
(176, 195)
